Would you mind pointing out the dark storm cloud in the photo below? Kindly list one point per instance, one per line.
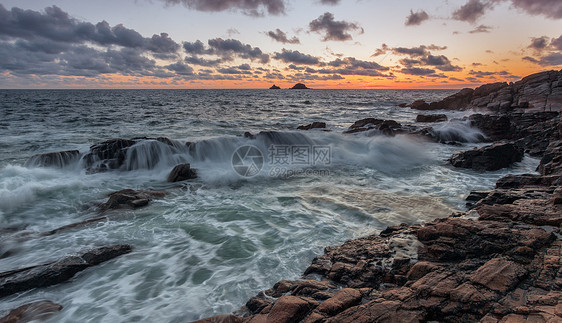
(333, 30)
(481, 29)
(56, 25)
(249, 7)
(471, 11)
(418, 71)
(416, 18)
(280, 36)
(296, 57)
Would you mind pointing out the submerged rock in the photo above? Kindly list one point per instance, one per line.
(489, 158)
(182, 172)
(37, 311)
(130, 198)
(314, 125)
(19, 280)
(56, 159)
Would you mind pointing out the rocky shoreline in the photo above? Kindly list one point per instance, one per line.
(499, 261)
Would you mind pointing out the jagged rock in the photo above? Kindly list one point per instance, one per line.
(299, 86)
(130, 198)
(314, 125)
(431, 118)
(19, 280)
(37, 311)
(182, 172)
(493, 157)
(55, 159)
(274, 87)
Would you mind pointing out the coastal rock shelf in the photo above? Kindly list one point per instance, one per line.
(498, 262)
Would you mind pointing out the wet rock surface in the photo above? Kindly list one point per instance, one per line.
(55, 159)
(23, 279)
(182, 172)
(129, 198)
(314, 125)
(33, 312)
(488, 158)
(431, 118)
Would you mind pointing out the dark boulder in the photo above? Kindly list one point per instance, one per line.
(420, 105)
(299, 86)
(489, 158)
(314, 125)
(128, 198)
(274, 87)
(55, 159)
(493, 126)
(182, 172)
(37, 311)
(386, 127)
(431, 118)
(19, 280)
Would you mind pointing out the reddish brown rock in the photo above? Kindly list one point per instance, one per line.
(182, 172)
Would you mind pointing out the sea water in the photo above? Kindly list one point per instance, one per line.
(213, 242)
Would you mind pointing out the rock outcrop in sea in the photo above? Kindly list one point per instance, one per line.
(299, 86)
(500, 261)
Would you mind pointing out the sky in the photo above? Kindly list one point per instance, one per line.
(362, 44)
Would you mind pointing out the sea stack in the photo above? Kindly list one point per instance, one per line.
(299, 86)
(274, 87)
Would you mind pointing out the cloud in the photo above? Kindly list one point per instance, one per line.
(197, 48)
(481, 29)
(471, 11)
(248, 7)
(557, 43)
(229, 47)
(296, 57)
(333, 30)
(194, 60)
(416, 51)
(539, 43)
(330, 2)
(418, 71)
(552, 59)
(531, 59)
(280, 36)
(416, 18)
(180, 68)
(548, 8)
(56, 25)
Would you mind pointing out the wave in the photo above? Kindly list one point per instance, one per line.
(457, 130)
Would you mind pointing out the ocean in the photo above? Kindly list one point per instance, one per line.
(260, 210)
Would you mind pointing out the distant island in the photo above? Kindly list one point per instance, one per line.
(299, 86)
(274, 87)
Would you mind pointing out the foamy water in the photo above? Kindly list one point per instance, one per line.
(213, 242)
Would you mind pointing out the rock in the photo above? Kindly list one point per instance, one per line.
(182, 172)
(299, 86)
(488, 158)
(225, 318)
(540, 91)
(386, 127)
(57, 159)
(111, 153)
(289, 309)
(37, 311)
(498, 274)
(341, 301)
(274, 87)
(56, 272)
(314, 125)
(431, 118)
(420, 105)
(130, 198)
